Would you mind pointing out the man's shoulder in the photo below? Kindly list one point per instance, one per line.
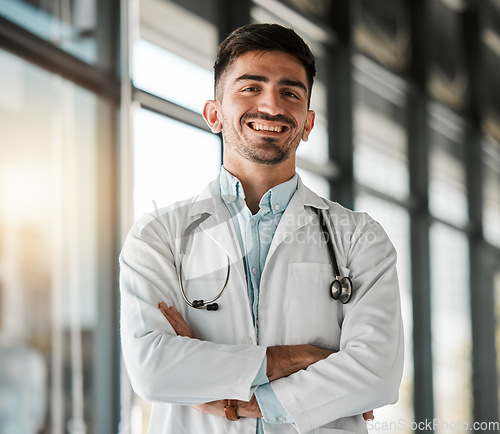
(178, 213)
(310, 198)
(340, 215)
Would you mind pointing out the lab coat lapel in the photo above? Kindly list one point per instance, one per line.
(296, 215)
(218, 225)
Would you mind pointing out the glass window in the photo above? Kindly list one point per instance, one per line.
(309, 19)
(172, 161)
(312, 11)
(451, 325)
(447, 176)
(396, 222)
(491, 193)
(72, 26)
(49, 256)
(171, 77)
(496, 289)
(174, 56)
(490, 52)
(380, 143)
(381, 30)
(316, 148)
(317, 183)
(448, 78)
(184, 27)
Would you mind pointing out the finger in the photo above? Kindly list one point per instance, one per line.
(176, 320)
(215, 408)
(163, 307)
(369, 415)
(165, 310)
(182, 325)
(172, 315)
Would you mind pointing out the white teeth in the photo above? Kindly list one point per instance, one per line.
(275, 128)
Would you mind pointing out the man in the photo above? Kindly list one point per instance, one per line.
(279, 355)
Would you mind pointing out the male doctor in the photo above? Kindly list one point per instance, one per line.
(279, 355)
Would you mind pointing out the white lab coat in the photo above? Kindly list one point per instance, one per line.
(295, 307)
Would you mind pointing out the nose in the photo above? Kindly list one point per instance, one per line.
(270, 103)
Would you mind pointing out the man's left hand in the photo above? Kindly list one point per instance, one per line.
(176, 320)
(245, 409)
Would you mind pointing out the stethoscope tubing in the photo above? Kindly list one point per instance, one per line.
(204, 302)
(341, 285)
(327, 236)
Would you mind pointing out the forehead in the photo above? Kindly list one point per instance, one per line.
(274, 65)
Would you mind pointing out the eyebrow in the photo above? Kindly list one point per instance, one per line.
(283, 82)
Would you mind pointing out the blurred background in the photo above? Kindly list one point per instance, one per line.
(100, 106)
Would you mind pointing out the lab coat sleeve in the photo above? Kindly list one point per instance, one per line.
(161, 365)
(366, 372)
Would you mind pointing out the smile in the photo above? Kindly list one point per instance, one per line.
(272, 128)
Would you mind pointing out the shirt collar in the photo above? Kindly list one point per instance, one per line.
(276, 199)
(230, 186)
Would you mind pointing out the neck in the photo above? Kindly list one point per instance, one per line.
(257, 179)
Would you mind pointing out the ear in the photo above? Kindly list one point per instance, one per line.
(309, 124)
(211, 114)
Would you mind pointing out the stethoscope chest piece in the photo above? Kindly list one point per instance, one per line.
(341, 290)
(341, 287)
(335, 289)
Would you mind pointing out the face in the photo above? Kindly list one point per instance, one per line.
(263, 108)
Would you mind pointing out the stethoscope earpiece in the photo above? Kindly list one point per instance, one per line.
(197, 304)
(203, 304)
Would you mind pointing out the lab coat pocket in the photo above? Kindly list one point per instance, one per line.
(313, 312)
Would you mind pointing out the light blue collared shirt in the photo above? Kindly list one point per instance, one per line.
(255, 233)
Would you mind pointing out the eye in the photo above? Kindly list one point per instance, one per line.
(249, 89)
(291, 94)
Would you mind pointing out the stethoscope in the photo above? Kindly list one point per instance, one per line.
(340, 288)
(199, 304)
(203, 304)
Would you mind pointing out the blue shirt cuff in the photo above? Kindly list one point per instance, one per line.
(261, 377)
(270, 406)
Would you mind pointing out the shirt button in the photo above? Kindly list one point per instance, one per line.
(281, 419)
(252, 223)
(276, 207)
(253, 270)
(246, 340)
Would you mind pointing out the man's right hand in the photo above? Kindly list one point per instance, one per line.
(283, 361)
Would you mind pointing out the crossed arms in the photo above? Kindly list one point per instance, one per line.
(282, 361)
(159, 356)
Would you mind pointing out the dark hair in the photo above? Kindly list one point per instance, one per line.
(263, 37)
